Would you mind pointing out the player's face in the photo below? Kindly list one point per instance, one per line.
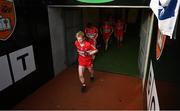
(80, 39)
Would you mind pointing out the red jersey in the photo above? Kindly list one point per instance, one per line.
(92, 34)
(119, 29)
(84, 60)
(106, 31)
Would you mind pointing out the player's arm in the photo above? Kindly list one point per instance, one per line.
(96, 35)
(112, 29)
(82, 53)
(92, 50)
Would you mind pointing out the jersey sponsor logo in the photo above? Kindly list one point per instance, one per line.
(161, 39)
(7, 19)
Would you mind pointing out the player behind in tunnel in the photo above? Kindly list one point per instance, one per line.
(119, 29)
(106, 31)
(91, 33)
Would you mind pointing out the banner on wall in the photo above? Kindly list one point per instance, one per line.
(166, 12)
(16, 65)
(161, 39)
(7, 19)
(151, 91)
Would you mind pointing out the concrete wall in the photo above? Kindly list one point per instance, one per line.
(64, 23)
(73, 23)
(145, 39)
(57, 33)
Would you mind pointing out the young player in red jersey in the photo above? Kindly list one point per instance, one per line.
(106, 31)
(119, 30)
(85, 51)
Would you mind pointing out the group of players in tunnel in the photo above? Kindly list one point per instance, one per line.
(102, 36)
(86, 44)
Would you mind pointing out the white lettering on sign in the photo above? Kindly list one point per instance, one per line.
(154, 102)
(21, 62)
(151, 92)
(5, 74)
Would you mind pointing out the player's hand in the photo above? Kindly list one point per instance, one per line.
(86, 53)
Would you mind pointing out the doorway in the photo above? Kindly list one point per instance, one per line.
(116, 60)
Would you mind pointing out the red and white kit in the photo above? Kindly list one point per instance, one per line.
(92, 34)
(83, 59)
(119, 29)
(106, 31)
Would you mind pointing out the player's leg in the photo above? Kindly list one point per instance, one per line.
(81, 77)
(107, 43)
(118, 40)
(105, 39)
(95, 45)
(121, 40)
(91, 70)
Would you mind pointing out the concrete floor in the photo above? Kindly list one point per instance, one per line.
(108, 92)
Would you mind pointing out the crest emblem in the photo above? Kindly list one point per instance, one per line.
(7, 19)
(161, 39)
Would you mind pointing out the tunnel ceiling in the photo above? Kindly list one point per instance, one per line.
(113, 3)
